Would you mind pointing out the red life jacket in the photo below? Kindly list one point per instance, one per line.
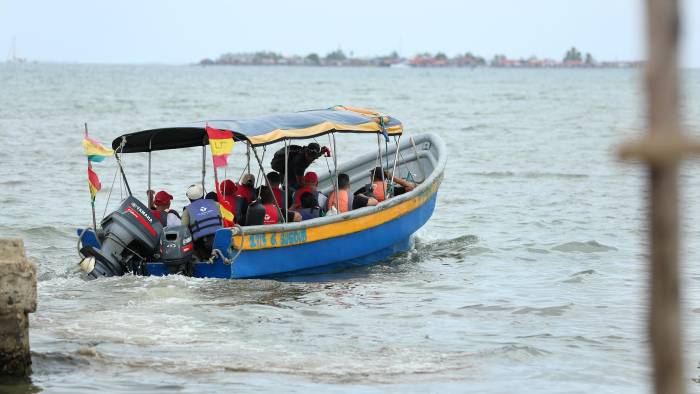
(299, 192)
(161, 218)
(246, 193)
(278, 196)
(271, 214)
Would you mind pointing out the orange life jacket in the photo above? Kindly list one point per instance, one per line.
(379, 191)
(345, 204)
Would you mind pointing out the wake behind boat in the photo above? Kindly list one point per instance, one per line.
(131, 239)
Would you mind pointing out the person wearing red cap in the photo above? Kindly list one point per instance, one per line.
(167, 216)
(310, 185)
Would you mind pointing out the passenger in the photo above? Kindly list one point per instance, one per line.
(380, 185)
(275, 180)
(348, 201)
(229, 192)
(310, 186)
(168, 217)
(149, 194)
(267, 198)
(264, 210)
(301, 161)
(246, 188)
(309, 207)
(203, 218)
(212, 196)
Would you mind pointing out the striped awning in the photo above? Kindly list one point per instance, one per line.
(264, 130)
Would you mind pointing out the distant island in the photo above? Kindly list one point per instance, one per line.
(573, 58)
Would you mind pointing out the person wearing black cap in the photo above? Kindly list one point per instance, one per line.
(300, 162)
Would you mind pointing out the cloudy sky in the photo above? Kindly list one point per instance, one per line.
(179, 31)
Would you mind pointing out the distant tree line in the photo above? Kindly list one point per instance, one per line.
(572, 58)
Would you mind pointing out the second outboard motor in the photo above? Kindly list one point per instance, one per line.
(129, 236)
(176, 250)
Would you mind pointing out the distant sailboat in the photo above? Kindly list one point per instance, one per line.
(12, 57)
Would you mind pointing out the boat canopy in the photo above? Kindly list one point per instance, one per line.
(264, 130)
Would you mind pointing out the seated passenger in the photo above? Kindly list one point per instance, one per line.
(380, 185)
(246, 188)
(309, 207)
(168, 217)
(267, 199)
(203, 218)
(275, 180)
(229, 192)
(348, 200)
(310, 186)
(212, 196)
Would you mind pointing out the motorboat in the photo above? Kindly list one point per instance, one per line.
(131, 240)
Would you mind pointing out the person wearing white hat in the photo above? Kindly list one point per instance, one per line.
(203, 217)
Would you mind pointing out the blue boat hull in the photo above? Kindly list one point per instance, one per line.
(330, 255)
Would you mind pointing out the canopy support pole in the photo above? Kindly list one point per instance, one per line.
(379, 156)
(335, 179)
(267, 181)
(204, 164)
(286, 178)
(396, 156)
(148, 190)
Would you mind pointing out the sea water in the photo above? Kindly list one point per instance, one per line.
(531, 276)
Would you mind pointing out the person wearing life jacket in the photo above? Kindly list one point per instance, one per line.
(167, 217)
(267, 199)
(309, 207)
(245, 188)
(275, 180)
(348, 201)
(380, 184)
(203, 218)
(229, 193)
(264, 210)
(310, 186)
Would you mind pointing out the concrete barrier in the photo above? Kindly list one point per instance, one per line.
(17, 300)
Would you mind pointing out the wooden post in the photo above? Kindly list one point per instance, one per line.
(17, 300)
(663, 148)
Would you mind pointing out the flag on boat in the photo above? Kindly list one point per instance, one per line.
(93, 183)
(221, 142)
(94, 150)
(226, 211)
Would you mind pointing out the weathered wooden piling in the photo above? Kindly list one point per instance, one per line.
(663, 148)
(17, 300)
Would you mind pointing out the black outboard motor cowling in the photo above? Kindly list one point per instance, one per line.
(176, 250)
(131, 235)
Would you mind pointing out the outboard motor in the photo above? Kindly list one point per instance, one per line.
(129, 236)
(176, 250)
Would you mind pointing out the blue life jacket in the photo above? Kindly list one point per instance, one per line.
(309, 213)
(205, 218)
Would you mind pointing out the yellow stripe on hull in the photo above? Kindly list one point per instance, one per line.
(278, 239)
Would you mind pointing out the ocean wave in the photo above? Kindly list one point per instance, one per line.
(454, 248)
(579, 276)
(583, 247)
(546, 311)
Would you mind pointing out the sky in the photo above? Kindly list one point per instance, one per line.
(181, 32)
